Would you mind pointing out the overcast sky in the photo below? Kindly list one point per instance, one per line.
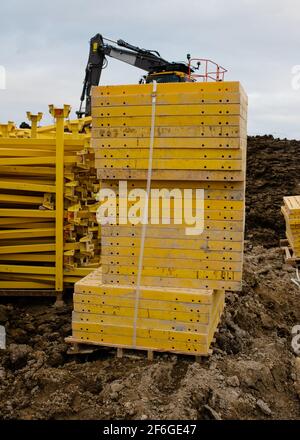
(44, 49)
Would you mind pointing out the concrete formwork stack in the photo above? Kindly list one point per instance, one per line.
(161, 288)
(291, 212)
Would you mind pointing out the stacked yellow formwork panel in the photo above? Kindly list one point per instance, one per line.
(30, 251)
(291, 212)
(199, 144)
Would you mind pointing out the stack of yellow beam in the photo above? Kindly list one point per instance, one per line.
(151, 290)
(28, 207)
(291, 212)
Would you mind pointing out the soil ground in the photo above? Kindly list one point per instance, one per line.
(252, 374)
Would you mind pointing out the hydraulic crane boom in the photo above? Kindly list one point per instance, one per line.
(147, 60)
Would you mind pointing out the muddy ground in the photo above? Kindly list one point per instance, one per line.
(252, 374)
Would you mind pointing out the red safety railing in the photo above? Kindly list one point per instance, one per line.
(211, 71)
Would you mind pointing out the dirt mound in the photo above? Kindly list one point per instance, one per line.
(273, 171)
(252, 373)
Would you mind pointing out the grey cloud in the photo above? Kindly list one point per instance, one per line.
(44, 47)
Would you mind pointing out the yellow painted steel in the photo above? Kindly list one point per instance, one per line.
(202, 254)
(36, 174)
(209, 225)
(171, 175)
(172, 232)
(119, 261)
(170, 201)
(142, 332)
(167, 132)
(143, 344)
(184, 283)
(144, 323)
(35, 160)
(182, 89)
(172, 164)
(168, 143)
(103, 315)
(199, 143)
(120, 302)
(39, 257)
(16, 199)
(21, 285)
(161, 153)
(171, 272)
(291, 212)
(167, 243)
(168, 110)
(59, 115)
(169, 99)
(34, 119)
(26, 213)
(181, 184)
(24, 233)
(166, 121)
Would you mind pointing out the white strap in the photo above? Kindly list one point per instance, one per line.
(145, 215)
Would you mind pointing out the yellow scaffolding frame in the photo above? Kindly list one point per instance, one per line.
(41, 160)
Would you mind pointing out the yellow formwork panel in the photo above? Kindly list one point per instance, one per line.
(170, 164)
(215, 185)
(209, 225)
(169, 143)
(292, 220)
(188, 175)
(125, 321)
(201, 254)
(208, 215)
(129, 302)
(168, 110)
(167, 121)
(161, 153)
(187, 283)
(173, 263)
(6, 221)
(141, 332)
(175, 233)
(184, 88)
(171, 272)
(144, 313)
(144, 132)
(99, 99)
(292, 204)
(291, 212)
(176, 204)
(166, 243)
(142, 343)
(92, 284)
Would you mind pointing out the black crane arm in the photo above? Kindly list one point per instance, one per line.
(147, 60)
